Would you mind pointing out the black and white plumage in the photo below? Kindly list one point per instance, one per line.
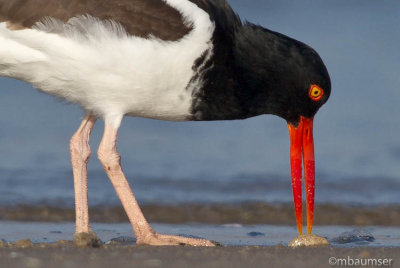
(176, 60)
(172, 60)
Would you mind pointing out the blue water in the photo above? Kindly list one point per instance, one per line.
(55, 188)
(356, 132)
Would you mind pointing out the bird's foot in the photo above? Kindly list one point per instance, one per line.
(87, 240)
(155, 239)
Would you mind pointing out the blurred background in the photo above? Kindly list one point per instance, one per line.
(356, 133)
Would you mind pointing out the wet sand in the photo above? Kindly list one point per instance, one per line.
(226, 234)
(64, 254)
(247, 213)
(144, 256)
(51, 247)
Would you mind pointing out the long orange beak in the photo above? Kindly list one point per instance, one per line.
(302, 147)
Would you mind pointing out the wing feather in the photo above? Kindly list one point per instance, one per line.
(138, 17)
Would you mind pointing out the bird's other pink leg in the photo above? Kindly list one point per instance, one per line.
(111, 162)
(80, 153)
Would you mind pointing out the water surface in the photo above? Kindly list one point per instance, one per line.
(228, 234)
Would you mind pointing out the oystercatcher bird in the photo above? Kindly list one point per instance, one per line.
(175, 60)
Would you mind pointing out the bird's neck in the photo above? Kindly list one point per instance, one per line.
(274, 72)
(260, 65)
(235, 86)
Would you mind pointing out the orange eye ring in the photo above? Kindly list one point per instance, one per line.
(315, 93)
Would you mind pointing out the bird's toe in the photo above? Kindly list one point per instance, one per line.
(174, 240)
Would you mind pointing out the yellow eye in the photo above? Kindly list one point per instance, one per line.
(315, 93)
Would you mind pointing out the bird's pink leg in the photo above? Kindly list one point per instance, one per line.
(80, 153)
(111, 162)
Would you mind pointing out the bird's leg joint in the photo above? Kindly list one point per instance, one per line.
(79, 148)
(109, 158)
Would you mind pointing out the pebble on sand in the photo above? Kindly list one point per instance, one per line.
(87, 240)
(309, 240)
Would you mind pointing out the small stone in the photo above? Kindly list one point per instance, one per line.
(87, 240)
(357, 236)
(23, 243)
(255, 234)
(309, 240)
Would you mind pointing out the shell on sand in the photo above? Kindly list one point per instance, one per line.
(308, 240)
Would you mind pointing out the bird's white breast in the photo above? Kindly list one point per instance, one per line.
(106, 71)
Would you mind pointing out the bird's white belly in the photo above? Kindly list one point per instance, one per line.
(146, 79)
(108, 72)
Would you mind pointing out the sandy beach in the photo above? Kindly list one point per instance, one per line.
(144, 256)
(237, 224)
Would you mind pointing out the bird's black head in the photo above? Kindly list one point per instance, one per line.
(279, 75)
